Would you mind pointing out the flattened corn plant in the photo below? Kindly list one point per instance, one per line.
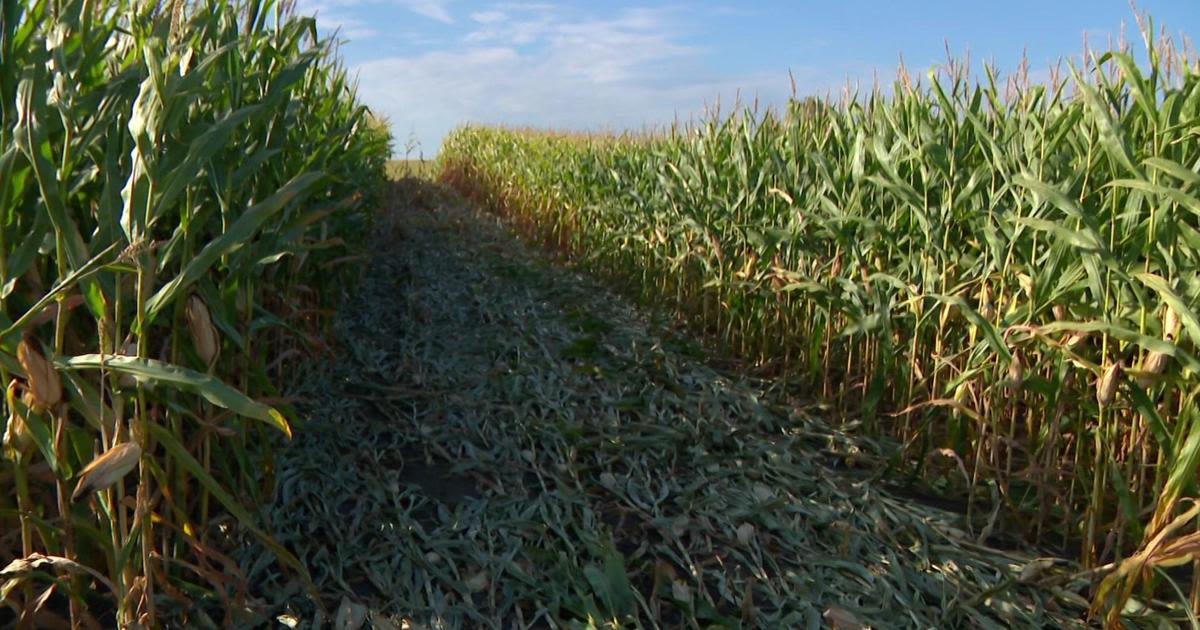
(993, 272)
(178, 185)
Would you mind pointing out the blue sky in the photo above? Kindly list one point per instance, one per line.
(431, 65)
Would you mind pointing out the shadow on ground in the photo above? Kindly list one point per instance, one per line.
(504, 443)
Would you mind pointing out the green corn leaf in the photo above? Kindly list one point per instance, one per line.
(1186, 315)
(209, 387)
(67, 283)
(238, 234)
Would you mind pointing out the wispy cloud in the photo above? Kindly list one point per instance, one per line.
(338, 15)
(433, 9)
(430, 65)
(489, 17)
(345, 15)
(531, 64)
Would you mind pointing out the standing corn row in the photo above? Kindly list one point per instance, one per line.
(1007, 272)
(177, 184)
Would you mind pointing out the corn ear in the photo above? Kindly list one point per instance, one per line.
(108, 469)
(18, 443)
(1171, 324)
(205, 338)
(45, 385)
(1106, 387)
(1152, 368)
(1016, 373)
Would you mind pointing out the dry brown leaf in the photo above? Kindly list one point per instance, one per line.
(108, 469)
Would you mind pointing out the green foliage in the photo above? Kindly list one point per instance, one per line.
(179, 183)
(956, 264)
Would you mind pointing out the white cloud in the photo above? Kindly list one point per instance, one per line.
(489, 17)
(536, 68)
(533, 64)
(342, 15)
(432, 9)
(337, 15)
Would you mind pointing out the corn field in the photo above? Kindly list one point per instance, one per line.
(180, 186)
(997, 274)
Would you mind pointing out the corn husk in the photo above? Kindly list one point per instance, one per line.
(747, 270)
(108, 469)
(1026, 283)
(1076, 339)
(1016, 373)
(948, 312)
(205, 338)
(44, 382)
(986, 308)
(1106, 387)
(18, 442)
(1171, 324)
(1152, 367)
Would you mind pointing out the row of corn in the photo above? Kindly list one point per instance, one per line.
(180, 183)
(1000, 274)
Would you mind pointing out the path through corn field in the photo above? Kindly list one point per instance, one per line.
(502, 443)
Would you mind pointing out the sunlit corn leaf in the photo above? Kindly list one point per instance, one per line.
(153, 371)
